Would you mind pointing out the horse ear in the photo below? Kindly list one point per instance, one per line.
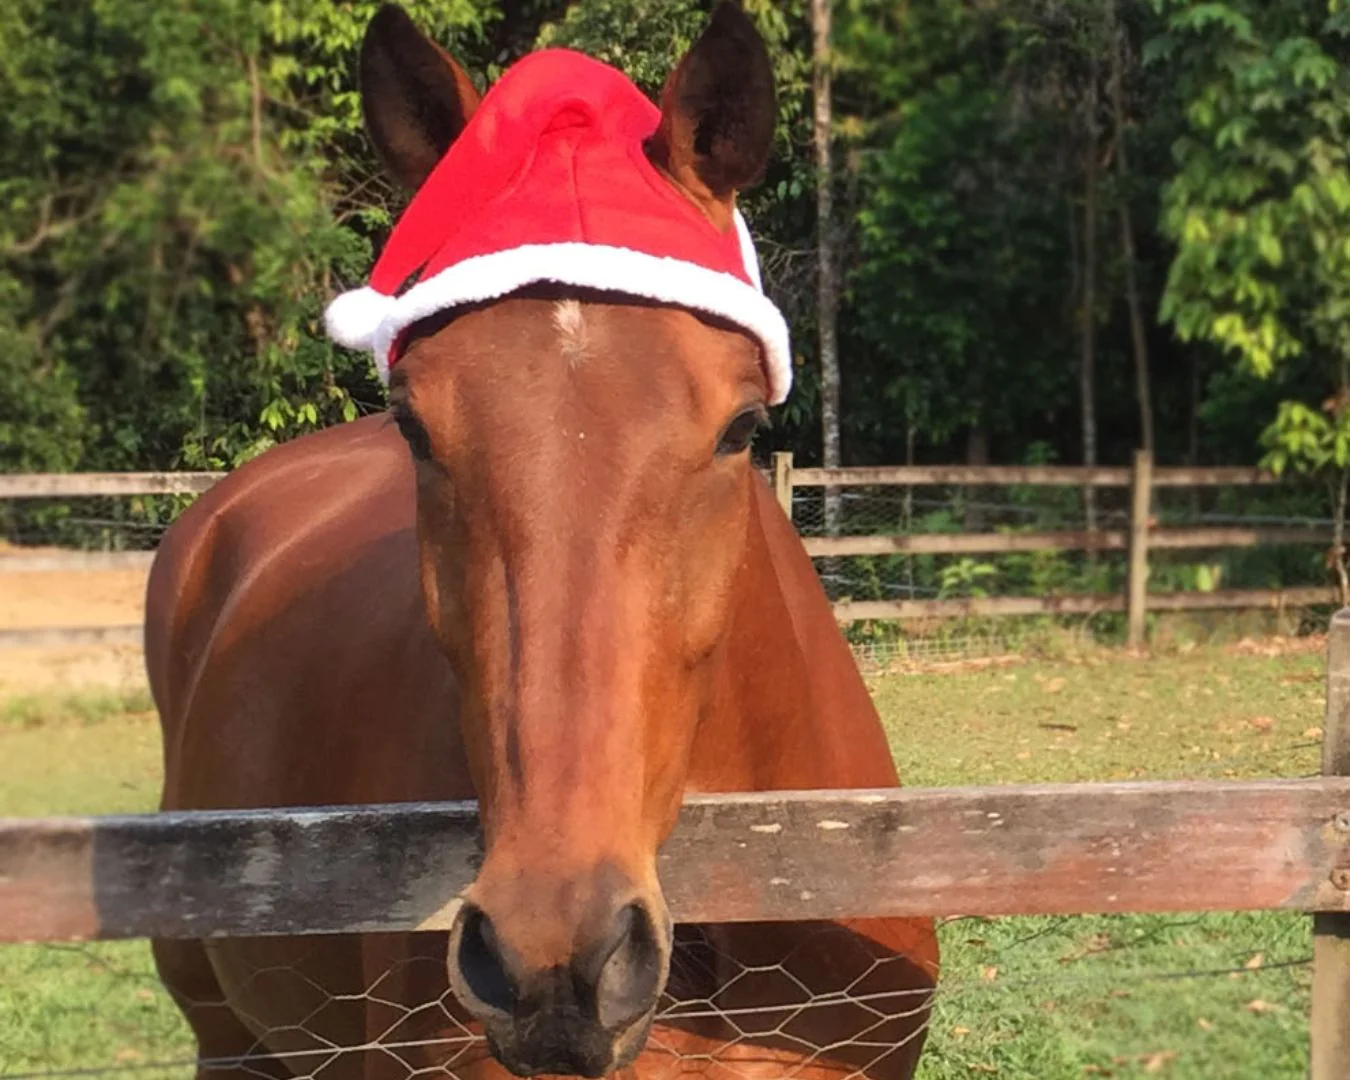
(718, 110)
(414, 97)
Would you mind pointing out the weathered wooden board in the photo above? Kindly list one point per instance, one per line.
(41, 637)
(73, 485)
(1075, 540)
(1078, 604)
(990, 851)
(1049, 475)
(963, 543)
(45, 562)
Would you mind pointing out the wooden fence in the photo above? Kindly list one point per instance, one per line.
(1138, 540)
(1054, 849)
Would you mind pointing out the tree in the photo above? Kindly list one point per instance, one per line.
(183, 186)
(1129, 257)
(1260, 210)
(827, 260)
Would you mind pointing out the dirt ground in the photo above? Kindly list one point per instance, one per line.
(70, 599)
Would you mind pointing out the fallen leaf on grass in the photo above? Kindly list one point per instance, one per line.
(1055, 685)
(1259, 1006)
(126, 1055)
(1255, 962)
(960, 1032)
(989, 974)
(1313, 733)
(1204, 1025)
(1156, 1062)
(1262, 723)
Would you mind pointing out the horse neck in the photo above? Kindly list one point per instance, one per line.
(789, 708)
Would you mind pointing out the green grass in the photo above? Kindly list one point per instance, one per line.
(1216, 996)
(1182, 996)
(1202, 714)
(98, 1004)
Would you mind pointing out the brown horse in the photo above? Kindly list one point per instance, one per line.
(552, 581)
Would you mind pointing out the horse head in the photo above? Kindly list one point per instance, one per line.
(584, 502)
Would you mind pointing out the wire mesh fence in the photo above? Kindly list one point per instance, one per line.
(933, 510)
(1217, 995)
(90, 523)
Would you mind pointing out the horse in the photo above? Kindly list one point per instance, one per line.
(549, 579)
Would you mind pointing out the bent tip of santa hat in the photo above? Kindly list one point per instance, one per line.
(353, 317)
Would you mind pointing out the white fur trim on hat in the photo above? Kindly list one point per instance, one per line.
(353, 317)
(597, 266)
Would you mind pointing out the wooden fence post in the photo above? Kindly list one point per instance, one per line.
(1330, 1025)
(782, 480)
(1141, 501)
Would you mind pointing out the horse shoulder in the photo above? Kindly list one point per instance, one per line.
(284, 631)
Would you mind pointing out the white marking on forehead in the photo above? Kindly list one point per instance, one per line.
(570, 322)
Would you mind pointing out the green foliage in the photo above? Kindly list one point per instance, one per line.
(963, 578)
(964, 157)
(1305, 440)
(181, 190)
(1260, 205)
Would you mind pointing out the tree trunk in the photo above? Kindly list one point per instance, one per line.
(1138, 337)
(1193, 430)
(1087, 313)
(827, 280)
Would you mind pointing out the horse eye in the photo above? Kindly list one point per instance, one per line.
(737, 435)
(414, 434)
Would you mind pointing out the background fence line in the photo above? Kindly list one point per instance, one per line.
(1141, 536)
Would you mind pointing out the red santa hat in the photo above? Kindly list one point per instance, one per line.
(549, 182)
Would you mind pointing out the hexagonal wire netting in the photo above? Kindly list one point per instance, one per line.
(750, 1017)
(91, 1010)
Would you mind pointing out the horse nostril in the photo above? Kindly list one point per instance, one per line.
(481, 964)
(632, 970)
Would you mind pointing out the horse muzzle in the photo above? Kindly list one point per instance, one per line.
(583, 1014)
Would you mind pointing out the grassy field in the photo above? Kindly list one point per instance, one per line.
(1221, 996)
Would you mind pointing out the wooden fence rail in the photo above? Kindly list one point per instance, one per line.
(1028, 850)
(80, 485)
(1040, 475)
